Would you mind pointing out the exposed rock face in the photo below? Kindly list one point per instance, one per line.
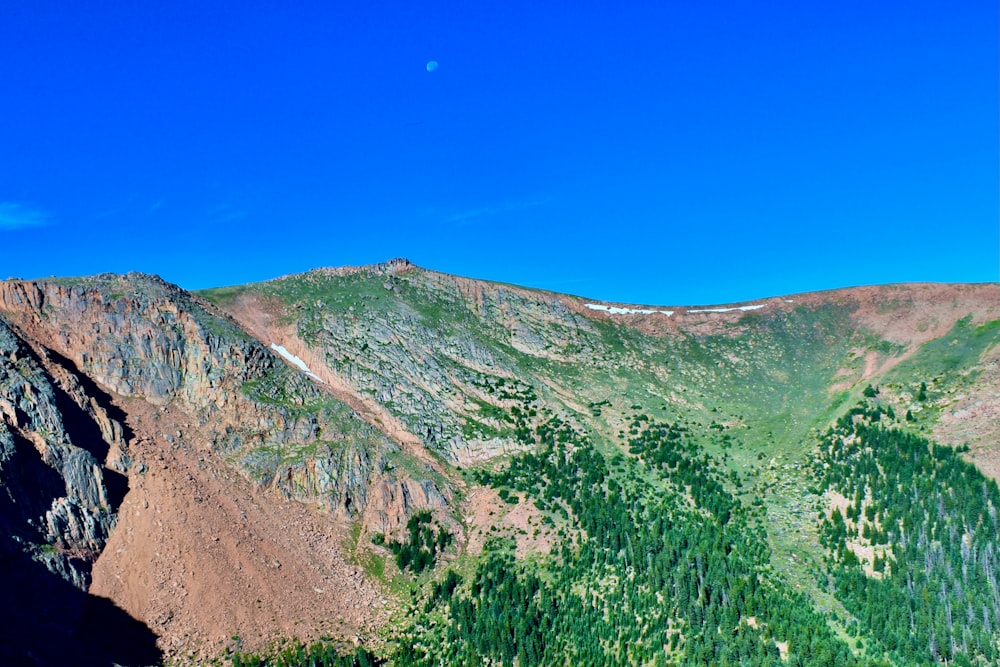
(392, 500)
(63, 452)
(61, 509)
(138, 336)
(141, 337)
(377, 332)
(100, 377)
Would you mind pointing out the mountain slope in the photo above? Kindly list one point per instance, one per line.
(301, 457)
(431, 349)
(179, 422)
(477, 370)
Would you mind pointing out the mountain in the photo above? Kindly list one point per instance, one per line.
(440, 469)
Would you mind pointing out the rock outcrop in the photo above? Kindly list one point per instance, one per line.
(377, 333)
(61, 460)
(138, 336)
(104, 380)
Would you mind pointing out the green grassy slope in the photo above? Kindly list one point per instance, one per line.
(685, 472)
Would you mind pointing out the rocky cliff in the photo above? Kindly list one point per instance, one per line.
(139, 337)
(61, 458)
(100, 377)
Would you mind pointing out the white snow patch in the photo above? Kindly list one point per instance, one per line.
(728, 310)
(789, 301)
(301, 365)
(615, 310)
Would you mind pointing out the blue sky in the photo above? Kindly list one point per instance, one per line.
(646, 152)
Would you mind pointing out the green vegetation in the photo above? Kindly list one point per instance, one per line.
(642, 577)
(223, 295)
(951, 360)
(914, 554)
(957, 350)
(275, 388)
(318, 654)
(422, 546)
(686, 479)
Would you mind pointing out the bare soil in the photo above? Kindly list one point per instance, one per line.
(204, 556)
(487, 516)
(973, 418)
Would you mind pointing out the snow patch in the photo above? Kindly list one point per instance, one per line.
(615, 310)
(295, 361)
(728, 310)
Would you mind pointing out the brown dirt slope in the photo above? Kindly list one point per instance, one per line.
(200, 553)
(203, 555)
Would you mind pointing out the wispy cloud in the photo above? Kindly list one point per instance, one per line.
(19, 216)
(467, 216)
(225, 213)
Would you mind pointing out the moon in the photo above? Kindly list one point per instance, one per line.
(432, 65)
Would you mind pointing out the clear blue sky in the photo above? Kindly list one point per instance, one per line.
(647, 152)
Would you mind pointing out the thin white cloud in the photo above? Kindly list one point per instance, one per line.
(225, 213)
(19, 216)
(464, 217)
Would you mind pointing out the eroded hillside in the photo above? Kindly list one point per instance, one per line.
(130, 407)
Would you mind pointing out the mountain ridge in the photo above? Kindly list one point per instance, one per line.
(358, 399)
(403, 264)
